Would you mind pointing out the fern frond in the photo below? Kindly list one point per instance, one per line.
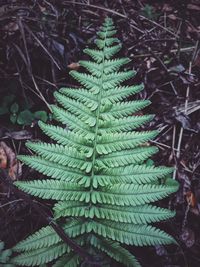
(121, 110)
(137, 214)
(126, 157)
(70, 260)
(138, 235)
(103, 187)
(118, 141)
(52, 169)
(81, 95)
(46, 237)
(125, 124)
(54, 189)
(76, 108)
(61, 155)
(99, 55)
(120, 93)
(109, 66)
(40, 256)
(71, 121)
(138, 174)
(115, 251)
(106, 42)
(122, 194)
(67, 138)
(87, 80)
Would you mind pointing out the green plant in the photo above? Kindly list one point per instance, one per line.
(23, 116)
(97, 168)
(5, 256)
(149, 12)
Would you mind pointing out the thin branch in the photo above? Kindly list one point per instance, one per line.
(40, 43)
(123, 16)
(107, 10)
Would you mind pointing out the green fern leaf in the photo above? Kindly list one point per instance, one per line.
(97, 168)
(115, 251)
(139, 235)
(70, 260)
(40, 256)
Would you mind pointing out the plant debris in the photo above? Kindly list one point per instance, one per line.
(41, 41)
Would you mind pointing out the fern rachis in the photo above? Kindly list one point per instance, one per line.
(96, 169)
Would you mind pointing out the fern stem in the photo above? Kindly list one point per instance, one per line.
(97, 120)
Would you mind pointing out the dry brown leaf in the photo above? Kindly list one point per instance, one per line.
(74, 66)
(9, 161)
(3, 159)
(191, 200)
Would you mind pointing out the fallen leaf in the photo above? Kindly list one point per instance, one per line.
(191, 200)
(3, 159)
(74, 66)
(8, 160)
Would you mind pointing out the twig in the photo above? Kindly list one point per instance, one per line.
(159, 25)
(123, 16)
(185, 111)
(40, 43)
(107, 10)
(11, 202)
(40, 94)
(185, 49)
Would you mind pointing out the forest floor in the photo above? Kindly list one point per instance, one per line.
(41, 41)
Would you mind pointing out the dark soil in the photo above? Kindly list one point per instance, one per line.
(41, 41)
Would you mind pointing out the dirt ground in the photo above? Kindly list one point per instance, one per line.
(41, 41)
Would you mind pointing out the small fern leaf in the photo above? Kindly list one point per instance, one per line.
(57, 190)
(137, 215)
(137, 174)
(125, 124)
(52, 169)
(75, 107)
(109, 66)
(82, 96)
(123, 109)
(116, 95)
(46, 237)
(115, 251)
(138, 235)
(71, 121)
(126, 157)
(99, 55)
(67, 138)
(122, 194)
(40, 256)
(106, 42)
(87, 80)
(70, 260)
(119, 141)
(60, 155)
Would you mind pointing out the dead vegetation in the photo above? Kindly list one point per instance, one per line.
(40, 41)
